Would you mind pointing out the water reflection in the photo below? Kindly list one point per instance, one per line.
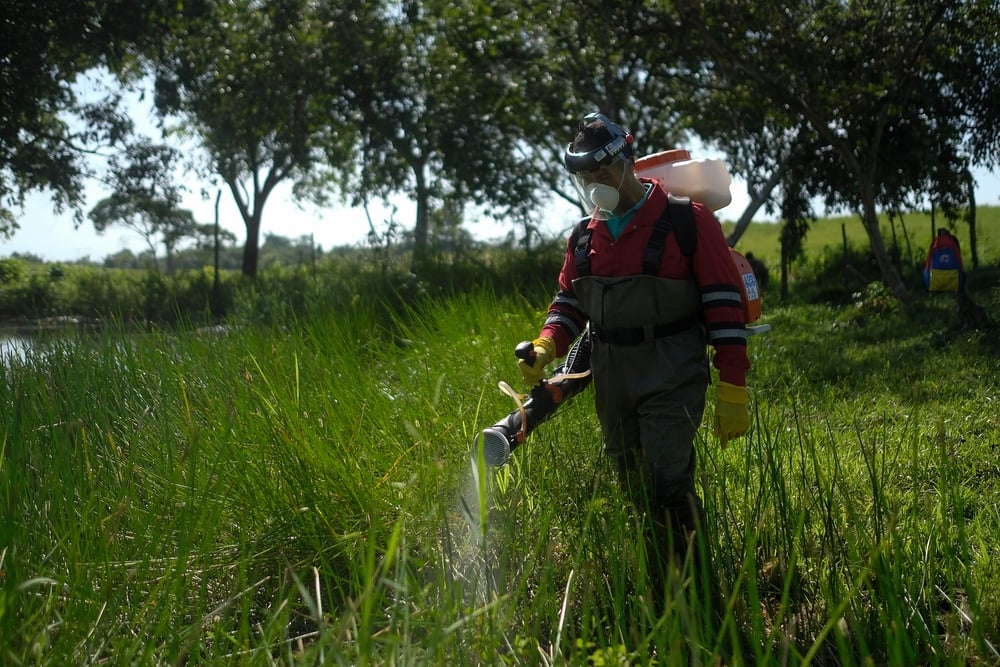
(14, 346)
(21, 343)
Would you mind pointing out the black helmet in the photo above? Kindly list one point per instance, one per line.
(616, 145)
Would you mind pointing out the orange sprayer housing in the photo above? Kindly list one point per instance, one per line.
(749, 289)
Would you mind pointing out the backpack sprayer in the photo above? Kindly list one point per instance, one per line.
(702, 180)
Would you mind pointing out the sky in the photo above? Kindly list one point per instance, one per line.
(53, 237)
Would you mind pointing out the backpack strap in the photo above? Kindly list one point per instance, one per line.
(677, 216)
(683, 216)
(654, 247)
(580, 240)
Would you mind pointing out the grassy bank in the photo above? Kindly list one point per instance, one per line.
(302, 494)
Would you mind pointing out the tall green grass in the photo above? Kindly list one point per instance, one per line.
(303, 493)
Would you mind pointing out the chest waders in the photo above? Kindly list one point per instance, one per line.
(649, 392)
(650, 373)
(647, 345)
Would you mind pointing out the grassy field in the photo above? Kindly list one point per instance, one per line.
(911, 234)
(303, 494)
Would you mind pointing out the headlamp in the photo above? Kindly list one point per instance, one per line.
(619, 146)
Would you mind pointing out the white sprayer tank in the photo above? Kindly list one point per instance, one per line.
(705, 180)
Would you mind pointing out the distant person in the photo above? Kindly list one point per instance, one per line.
(943, 270)
(653, 310)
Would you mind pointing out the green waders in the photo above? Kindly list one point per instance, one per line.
(651, 372)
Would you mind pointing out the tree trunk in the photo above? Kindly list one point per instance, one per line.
(970, 314)
(784, 273)
(973, 244)
(251, 251)
(890, 276)
(216, 284)
(757, 200)
(253, 216)
(420, 228)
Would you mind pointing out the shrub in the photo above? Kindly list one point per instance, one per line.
(12, 270)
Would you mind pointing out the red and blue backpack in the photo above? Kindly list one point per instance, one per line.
(943, 268)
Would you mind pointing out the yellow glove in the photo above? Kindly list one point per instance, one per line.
(533, 368)
(732, 417)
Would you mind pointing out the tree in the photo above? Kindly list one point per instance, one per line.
(444, 112)
(46, 46)
(257, 84)
(123, 259)
(864, 81)
(597, 56)
(145, 198)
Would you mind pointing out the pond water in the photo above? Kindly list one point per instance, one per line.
(18, 342)
(14, 346)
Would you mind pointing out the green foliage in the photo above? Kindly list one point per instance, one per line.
(11, 270)
(145, 197)
(41, 296)
(298, 279)
(45, 51)
(829, 270)
(839, 127)
(466, 106)
(446, 105)
(93, 294)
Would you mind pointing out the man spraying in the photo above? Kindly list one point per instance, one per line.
(653, 309)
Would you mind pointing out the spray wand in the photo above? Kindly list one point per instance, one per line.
(568, 380)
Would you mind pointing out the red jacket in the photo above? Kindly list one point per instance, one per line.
(711, 267)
